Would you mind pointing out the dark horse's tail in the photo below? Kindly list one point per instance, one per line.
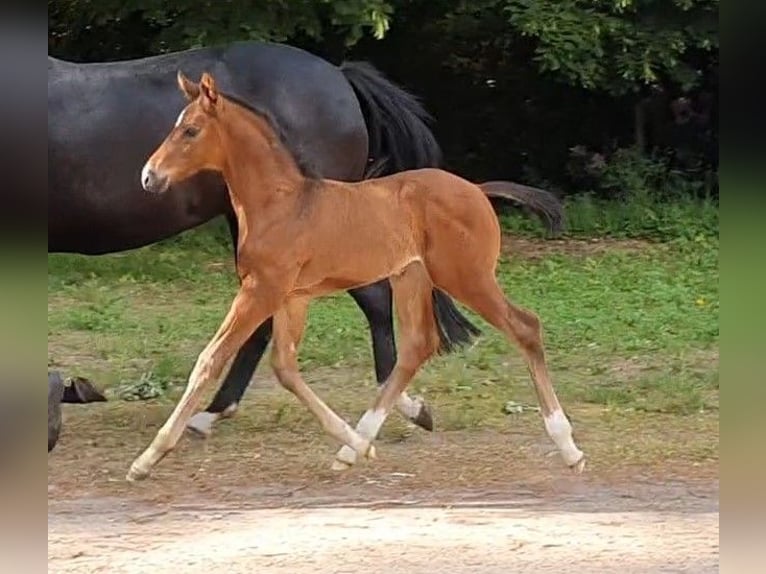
(400, 139)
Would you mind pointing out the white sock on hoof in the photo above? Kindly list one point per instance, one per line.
(203, 422)
(368, 428)
(560, 431)
(346, 455)
(408, 406)
(230, 411)
(369, 425)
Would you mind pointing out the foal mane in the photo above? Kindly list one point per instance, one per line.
(304, 165)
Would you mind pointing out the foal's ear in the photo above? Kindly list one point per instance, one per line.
(189, 88)
(209, 90)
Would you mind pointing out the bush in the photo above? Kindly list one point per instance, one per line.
(631, 196)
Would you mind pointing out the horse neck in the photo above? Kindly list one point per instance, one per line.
(261, 174)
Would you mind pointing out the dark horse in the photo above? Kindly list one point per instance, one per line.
(105, 118)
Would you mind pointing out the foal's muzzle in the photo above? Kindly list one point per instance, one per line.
(153, 182)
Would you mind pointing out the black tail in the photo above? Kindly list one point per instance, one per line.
(397, 123)
(546, 205)
(400, 139)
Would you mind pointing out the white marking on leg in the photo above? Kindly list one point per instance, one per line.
(560, 431)
(203, 422)
(370, 423)
(368, 427)
(344, 458)
(408, 406)
(230, 411)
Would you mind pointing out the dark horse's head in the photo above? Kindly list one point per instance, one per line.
(194, 143)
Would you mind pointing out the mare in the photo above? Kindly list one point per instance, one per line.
(305, 237)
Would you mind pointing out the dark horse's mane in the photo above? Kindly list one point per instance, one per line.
(306, 167)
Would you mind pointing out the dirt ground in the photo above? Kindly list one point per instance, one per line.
(598, 532)
(536, 249)
(263, 499)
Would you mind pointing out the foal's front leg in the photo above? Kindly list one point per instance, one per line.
(250, 308)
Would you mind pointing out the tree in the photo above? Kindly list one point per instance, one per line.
(104, 29)
(620, 46)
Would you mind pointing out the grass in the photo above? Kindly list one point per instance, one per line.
(643, 216)
(628, 329)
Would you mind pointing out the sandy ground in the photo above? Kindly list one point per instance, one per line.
(633, 528)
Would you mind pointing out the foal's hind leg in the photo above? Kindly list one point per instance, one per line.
(418, 341)
(523, 328)
(289, 323)
(375, 302)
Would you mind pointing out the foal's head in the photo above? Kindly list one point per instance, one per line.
(194, 144)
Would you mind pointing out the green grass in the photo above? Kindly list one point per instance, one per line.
(642, 216)
(625, 329)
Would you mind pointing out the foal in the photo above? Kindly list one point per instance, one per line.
(303, 238)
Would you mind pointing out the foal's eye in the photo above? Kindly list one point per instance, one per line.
(190, 131)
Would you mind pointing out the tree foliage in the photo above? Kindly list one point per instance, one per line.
(619, 45)
(616, 46)
(156, 26)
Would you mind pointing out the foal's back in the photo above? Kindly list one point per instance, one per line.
(382, 224)
(441, 207)
(416, 195)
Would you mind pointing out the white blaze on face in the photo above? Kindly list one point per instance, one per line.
(180, 117)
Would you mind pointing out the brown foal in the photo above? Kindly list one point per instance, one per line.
(303, 238)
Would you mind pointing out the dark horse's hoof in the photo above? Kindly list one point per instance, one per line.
(424, 419)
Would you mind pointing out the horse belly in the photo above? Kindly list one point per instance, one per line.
(355, 263)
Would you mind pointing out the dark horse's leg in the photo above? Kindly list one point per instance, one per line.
(374, 301)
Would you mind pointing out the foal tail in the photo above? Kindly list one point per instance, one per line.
(400, 139)
(546, 205)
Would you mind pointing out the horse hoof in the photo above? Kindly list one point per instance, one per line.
(424, 419)
(339, 465)
(135, 474)
(371, 454)
(345, 458)
(579, 466)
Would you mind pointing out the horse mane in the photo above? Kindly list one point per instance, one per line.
(305, 166)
